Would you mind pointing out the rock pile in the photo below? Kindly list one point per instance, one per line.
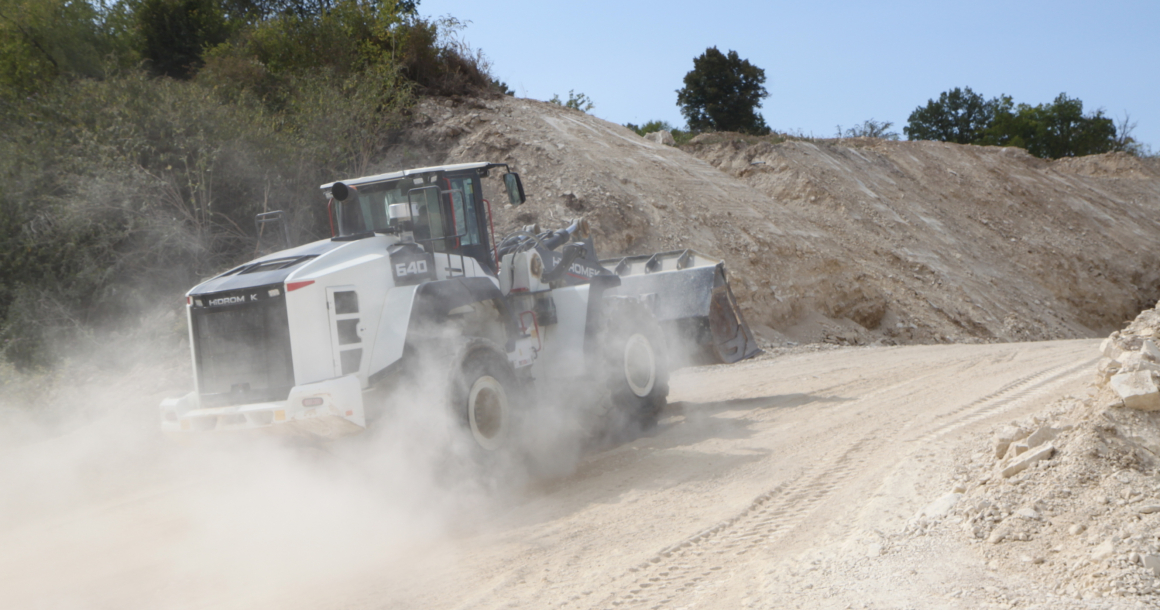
(1072, 494)
(1131, 363)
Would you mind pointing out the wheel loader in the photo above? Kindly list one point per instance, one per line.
(303, 341)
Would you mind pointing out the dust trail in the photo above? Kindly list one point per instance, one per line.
(98, 510)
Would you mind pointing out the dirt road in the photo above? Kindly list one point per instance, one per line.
(782, 482)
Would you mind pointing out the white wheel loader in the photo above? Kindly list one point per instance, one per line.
(298, 341)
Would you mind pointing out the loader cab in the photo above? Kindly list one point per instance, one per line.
(444, 211)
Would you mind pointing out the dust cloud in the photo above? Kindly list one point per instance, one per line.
(99, 510)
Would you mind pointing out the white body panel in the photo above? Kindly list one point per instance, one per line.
(313, 336)
(392, 328)
(562, 355)
(361, 266)
(320, 336)
(329, 409)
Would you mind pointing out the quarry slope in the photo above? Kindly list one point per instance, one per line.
(814, 476)
(845, 241)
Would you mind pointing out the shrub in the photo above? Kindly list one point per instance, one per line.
(42, 40)
(869, 129)
(576, 101)
(129, 186)
(115, 185)
(1050, 131)
(650, 127)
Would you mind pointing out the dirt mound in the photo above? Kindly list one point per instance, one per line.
(1072, 495)
(970, 241)
(1110, 165)
(844, 241)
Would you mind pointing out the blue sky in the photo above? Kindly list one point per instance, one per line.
(826, 62)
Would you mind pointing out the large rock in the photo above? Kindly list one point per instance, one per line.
(1152, 562)
(1028, 458)
(1131, 362)
(1108, 347)
(1042, 435)
(1006, 436)
(663, 136)
(1028, 513)
(1137, 390)
(1106, 369)
(1106, 549)
(1149, 350)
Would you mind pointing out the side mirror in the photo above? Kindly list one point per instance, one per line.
(515, 188)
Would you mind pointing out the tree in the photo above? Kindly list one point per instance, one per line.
(41, 40)
(958, 116)
(1068, 132)
(1125, 142)
(175, 33)
(1049, 131)
(722, 93)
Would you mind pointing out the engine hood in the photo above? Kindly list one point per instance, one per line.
(267, 270)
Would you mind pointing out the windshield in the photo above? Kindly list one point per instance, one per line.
(366, 210)
(447, 212)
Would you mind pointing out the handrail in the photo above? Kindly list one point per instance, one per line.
(462, 260)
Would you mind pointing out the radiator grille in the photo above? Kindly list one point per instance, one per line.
(243, 352)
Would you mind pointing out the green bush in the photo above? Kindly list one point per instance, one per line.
(650, 127)
(174, 33)
(576, 101)
(869, 129)
(117, 185)
(680, 136)
(131, 185)
(1050, 131)
(42, 40)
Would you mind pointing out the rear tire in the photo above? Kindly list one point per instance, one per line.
(636, 364)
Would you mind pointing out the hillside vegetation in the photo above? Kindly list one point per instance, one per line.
(138, 140)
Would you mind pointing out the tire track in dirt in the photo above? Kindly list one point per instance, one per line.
(1009, 397)
(679, 569)
(797, 490)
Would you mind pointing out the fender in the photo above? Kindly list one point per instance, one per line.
(434, 302)
(593, 321)
(425, 310)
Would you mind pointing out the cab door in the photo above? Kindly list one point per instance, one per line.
(470, 217)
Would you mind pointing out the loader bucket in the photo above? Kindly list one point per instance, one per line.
(690, 296)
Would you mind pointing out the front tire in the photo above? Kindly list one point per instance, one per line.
(636, 365)
(483, 394)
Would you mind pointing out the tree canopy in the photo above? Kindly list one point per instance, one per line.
(722, 93)
(41, 40)
(958, 116)
(1050, 131)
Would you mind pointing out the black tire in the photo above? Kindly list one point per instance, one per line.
(636, 362)
(484, 394)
